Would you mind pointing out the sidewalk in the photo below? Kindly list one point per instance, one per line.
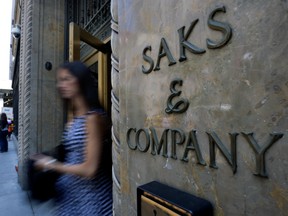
(13, 200)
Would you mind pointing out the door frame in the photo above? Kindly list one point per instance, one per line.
(102, 54)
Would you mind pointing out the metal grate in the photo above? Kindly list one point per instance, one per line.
(92, 15)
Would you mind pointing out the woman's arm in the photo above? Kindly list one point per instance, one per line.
(95, 128)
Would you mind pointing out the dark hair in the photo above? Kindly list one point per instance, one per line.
(87, 83)
(4, 121)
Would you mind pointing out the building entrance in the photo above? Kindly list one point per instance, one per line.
(97, 58)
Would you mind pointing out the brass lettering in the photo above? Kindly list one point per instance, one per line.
(181, 105)
(147, 59)
(175, 134)
(156, 145)
(128, 138)
(230, 158)
(144, 138)
(260, 151)
(164, 51)
(183, 43)
(192, 144)
(219, 26)
(147, 138)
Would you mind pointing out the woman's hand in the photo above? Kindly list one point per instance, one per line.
(43, 162)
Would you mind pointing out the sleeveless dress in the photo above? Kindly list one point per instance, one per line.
(78, 195)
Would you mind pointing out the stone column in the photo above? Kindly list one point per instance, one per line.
(40, 108)
(228, 61)
(115, 108)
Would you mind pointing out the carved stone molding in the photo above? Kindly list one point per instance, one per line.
(39, 125)
(24, 88)
(20, 118)
(115, 108)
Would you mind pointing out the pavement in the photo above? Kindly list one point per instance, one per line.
(13, 200)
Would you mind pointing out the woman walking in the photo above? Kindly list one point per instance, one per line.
(85, 188)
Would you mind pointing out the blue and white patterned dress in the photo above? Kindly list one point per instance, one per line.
(78, 195)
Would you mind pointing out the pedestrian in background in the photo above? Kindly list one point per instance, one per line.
(3, 133)
(85, 188)
(10, 128)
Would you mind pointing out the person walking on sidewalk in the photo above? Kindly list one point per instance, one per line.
(85, 188)
(10, 128)
(3, 133)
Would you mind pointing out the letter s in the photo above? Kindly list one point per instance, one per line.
(225, 28)
(147, 59)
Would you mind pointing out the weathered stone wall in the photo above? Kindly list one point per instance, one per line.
(240, 87)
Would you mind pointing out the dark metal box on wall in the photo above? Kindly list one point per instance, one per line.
(157, 199)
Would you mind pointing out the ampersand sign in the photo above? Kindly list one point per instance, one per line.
(181, 105)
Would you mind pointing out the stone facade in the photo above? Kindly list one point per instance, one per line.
(226, 131)
(40, 108)
(230, 145)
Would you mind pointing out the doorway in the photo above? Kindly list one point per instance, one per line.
(97, 59)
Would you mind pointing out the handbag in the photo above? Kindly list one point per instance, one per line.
(41, 184)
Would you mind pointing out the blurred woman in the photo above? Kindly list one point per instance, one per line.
(3, 133)
(85, 188)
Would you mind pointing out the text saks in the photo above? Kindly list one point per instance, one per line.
(184, 44)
